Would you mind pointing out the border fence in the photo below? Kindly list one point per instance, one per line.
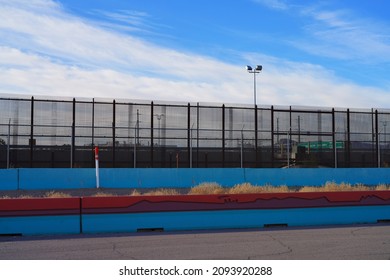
(51, 132)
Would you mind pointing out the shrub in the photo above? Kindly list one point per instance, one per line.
(382, 187)
(102, 194)
(249, 188)
(244, 188)
(333, 187)
(135, 193)
(207, 188)
(277, 189)
(54, 194)
(162, 192)
(310, 189)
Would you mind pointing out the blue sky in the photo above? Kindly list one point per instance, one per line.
(313, 53)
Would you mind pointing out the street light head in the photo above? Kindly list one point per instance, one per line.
(259, 68)
(248, 68)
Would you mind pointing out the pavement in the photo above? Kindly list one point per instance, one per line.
(357, 242)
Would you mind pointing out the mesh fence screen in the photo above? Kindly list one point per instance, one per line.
(62, 133)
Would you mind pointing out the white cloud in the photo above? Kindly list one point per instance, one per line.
(280, 84)
(79, 43)
(273, 4)
(340, 34)
(27, 73)
(49, 52)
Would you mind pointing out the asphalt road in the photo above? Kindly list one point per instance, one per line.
(368, 242)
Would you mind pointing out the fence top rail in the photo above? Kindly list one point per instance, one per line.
(302, 109)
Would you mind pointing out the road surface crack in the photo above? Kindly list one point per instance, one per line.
(286, 249)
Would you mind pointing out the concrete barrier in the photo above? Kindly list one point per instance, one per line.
(40, 216)
(194, 212)
(232, 219)
(185, 212)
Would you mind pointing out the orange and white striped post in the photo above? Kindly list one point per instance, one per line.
(97, 166)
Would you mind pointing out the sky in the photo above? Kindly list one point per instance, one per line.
(313, 53)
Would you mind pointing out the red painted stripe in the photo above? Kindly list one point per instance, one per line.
(95, 205)
(126, 201)
(39, 206)
(137, 204)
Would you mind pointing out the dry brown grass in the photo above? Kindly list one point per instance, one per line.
(13, 197)
(24, 196)
(54, 194)
(244, 188)
(135, 193)
(103, 194)
(277, 189)
(215, 188)
(207, 188)
(382, 187)
(162, 192)
(309, 189)
(334, 187)
(249, 188)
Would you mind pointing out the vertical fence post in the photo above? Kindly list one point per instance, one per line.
(113, 133)
(334, 140)
(197, 134)
(348, 139)
(189, 136)
(136, 128)
(152, 134)
(32, 132)
(223, 135)
(373, 137)
(93, 126)
(8, 141)
(72, 145)
(289, 140)
(377, 141)
(272, 137)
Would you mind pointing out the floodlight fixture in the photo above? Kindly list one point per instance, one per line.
(257, 69)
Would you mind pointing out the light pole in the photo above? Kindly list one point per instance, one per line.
(254, 71)
(159, 116)
(384, 123)
(191, 144)
(242, 146)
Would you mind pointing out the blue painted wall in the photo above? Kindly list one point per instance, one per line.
(171, 221)
(58, 178)
(9, 179)
(40, 225)
(192, 220)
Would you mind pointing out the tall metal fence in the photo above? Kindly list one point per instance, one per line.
(39, 132)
